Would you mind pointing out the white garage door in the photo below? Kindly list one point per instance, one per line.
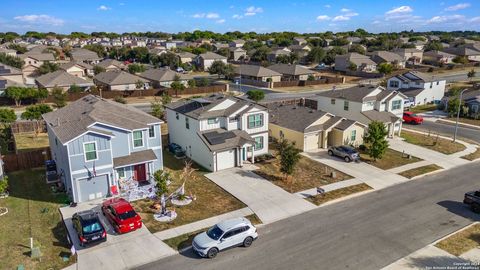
(93, 188)
(226, 159)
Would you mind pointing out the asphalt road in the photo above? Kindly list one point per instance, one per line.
(448, 130)
(366, 232)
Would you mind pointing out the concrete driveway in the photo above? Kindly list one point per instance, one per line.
(268, 201)
(119, 251)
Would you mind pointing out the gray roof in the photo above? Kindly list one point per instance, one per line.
(79, 54)
(221, 139)
(74, 119)
(287, 69)
(116, 77)
(279, 52)
(387, 56)
(407, 50)
(135, 158)
(162, 75)
(413, 76)
(74, 63)
(38, 56)
(186, 55)
(357, 93)
(344, 124)
(6, 70)
(438, 54)
(256, 71)
(462, 51)
(384, 117)
(211, 56)
(61, 78)
(109, 62)
(294, 117)
(356, 58)
(411, 92)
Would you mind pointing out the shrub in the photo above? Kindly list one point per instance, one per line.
(4, 185)
(120, 99)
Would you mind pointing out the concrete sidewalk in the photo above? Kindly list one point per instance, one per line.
(410, 166)
(370, 175)
(269, 202)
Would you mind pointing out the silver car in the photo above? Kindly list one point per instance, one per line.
(226, 234)
(346, 152)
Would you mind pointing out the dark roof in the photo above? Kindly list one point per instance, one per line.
(135, 158)
(287, 69)
(79, 54)
(221, 139)
(357, 93)
(411, 92)
(61, 78)
(344, 124)
(256, 71)
(415, 76)
(162, 75)
(117, 77)
(385, 117)
(8, 70)
(75, 118)
(294, 117)
(212, 56)
(111, 62)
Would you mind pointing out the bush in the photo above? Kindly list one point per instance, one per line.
(362, 147)
(4, 185)
(430, 69)
(120, 99)
(256, 95)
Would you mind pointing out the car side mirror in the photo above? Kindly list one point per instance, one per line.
(222, 239)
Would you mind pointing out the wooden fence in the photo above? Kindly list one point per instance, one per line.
(26, 160)
(322, 80)
(28, 126)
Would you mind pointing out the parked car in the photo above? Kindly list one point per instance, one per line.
(346, 152)
(408, 103)
(472, 199)
(121, 215)
(176, 150)
(412, 118)
(226, 234)
(89, 228)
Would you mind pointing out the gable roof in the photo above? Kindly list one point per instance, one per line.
(356, 93)
(211, 56)
(256, 71)
(74, 63)
(6, 70)
(384, 117)
(415, 76)
(117, 77)
(387, 56)
(224, 139)
(79, 54)
(38, 56)
(287, 69)
(162, 75)
(462, 51)
(111, 62)
(186, 55)
(75, 119)
(297, 118)
(61, 78)
(356, 58)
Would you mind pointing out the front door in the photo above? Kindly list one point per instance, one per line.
(139, 172)
(244, 154)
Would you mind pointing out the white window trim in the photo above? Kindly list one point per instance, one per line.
(154, 132)
(133, 139)
(85, 153)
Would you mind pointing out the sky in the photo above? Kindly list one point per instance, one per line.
(65, 16)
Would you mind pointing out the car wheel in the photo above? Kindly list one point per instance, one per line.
(412, 122)
(347, 159)
(248, 241)
(330, 152)
(476, 208)
(212, 253)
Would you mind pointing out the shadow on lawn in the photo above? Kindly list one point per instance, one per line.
(60, 234)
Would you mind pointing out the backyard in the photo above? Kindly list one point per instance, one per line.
(25, 142)
(211, 200)
(432, 142)
(32, 212)
(391, 159)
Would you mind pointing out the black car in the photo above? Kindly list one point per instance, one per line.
(176, 150)
(89, 228)
(472, 198)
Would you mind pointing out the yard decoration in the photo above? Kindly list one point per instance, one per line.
(131, 191)
(3, 211)
(179, 197)
(161, 178)
(4, 187)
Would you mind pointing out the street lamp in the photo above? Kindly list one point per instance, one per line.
(458, 114)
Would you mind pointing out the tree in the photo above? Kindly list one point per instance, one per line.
(120, 99)
(139, 85)
(20, 93)
(34, 112)
(289, 157)
(166, 98)
(203, 82)
(192, 83)
(256, 95)
(161, 181)
(316, 55)
(221, 69)
(177, 85)
(460, 60)
(7, 116)
(99, 49)
(12, 61)
(42, 94)
(433, 46)
(352, 66)
(375, 140)
(47, 67)
(385, 68)
(453, 105)
(471, 74)
(357, 48)
(98, 69)
(59, 97)
(157, 109)
(75, 89)
(283, 58)
(330, 56)
(136, 68)
(4, 185)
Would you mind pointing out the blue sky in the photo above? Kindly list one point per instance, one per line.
(221, 16)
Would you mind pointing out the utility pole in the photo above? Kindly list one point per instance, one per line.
(458, 114)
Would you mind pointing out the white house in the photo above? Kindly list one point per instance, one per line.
(219, 132)
(365, 103)
(420, 88)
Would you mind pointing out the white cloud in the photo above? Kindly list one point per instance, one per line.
(252, 11)
(400, 10)
(198, 15)
(103, 7)
(220, 21)
(327, 6)
(376, 22)
(122, 4)
(236, 16)
(345, 10)
(323, 18)
(458, 7)
(341, 18)
(212, 16)
(40, 19)
(475, 20)
(447, 19)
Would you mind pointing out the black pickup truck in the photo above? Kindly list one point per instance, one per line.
(472, 198)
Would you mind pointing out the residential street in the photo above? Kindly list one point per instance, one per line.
(447, 129)
(366, 232)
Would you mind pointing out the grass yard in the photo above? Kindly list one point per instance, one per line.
(33, 211)
(211, 199)
(185, 240)
(338, 193)
(420, 170)
(308, 174)
(391, 159)
(473, 156)
(475, 122)
(432, 142)
(28, 141)
(423, 108)
(461, 242)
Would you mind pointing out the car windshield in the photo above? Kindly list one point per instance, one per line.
(214, 232)
(127, 215)
(92, 226)
(349, 149)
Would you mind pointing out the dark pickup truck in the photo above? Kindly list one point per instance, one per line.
(472, 198)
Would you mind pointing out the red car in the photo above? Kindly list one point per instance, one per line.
(121, 215)
(410, 117)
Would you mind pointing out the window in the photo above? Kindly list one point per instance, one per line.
(255, 120)
(137, 138)
(431, 85)
(211, 121)
(345, 105)
(394, 84)
(353, 135)
(151, 132)
(121, 173)
(56, 141)
(258, 143)
(396, 104)
(438, 83)
(187, 124)
(332, 101)
(90, 150)
(177, 115)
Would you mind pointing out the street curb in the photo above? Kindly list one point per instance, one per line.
(351, 196)
(460, 124)
(453, 233)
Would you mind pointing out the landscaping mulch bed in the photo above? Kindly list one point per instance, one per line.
(433, 142)
(462, 241)
(338, 193)
(420, 170)
(391, 159)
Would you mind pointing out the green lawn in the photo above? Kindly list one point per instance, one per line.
(211, 200)
(420, 170)
(461, 242)
(33, 212)
(391, 159)
(432, 142)
(338, 193)
(28, 141)
(423, 108)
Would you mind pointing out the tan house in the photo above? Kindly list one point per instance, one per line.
(112, 64)
(84, 55)
(362, 62)
(62, 79)
(388, 57)
(205, 60)
(163, 77)
(257, 73)
(410, 55)
(78, 69)
(438, 57)
(292, 72)
(310, 129)
(120, 81)
(185, 57)
(32, 61)
(14, 75)
(237, 53)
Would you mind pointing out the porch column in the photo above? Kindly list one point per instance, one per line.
(253, 158)
(239, 157)
(400, 129)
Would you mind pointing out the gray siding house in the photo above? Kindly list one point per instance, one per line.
(97, 142)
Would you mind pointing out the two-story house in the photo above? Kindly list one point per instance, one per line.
(420, 88)
(365, 103)
(96, 142)
(218, 132)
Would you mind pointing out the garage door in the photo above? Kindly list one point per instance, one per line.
(93, 188)
(226, 159)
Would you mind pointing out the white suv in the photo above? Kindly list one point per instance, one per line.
(226, 234)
